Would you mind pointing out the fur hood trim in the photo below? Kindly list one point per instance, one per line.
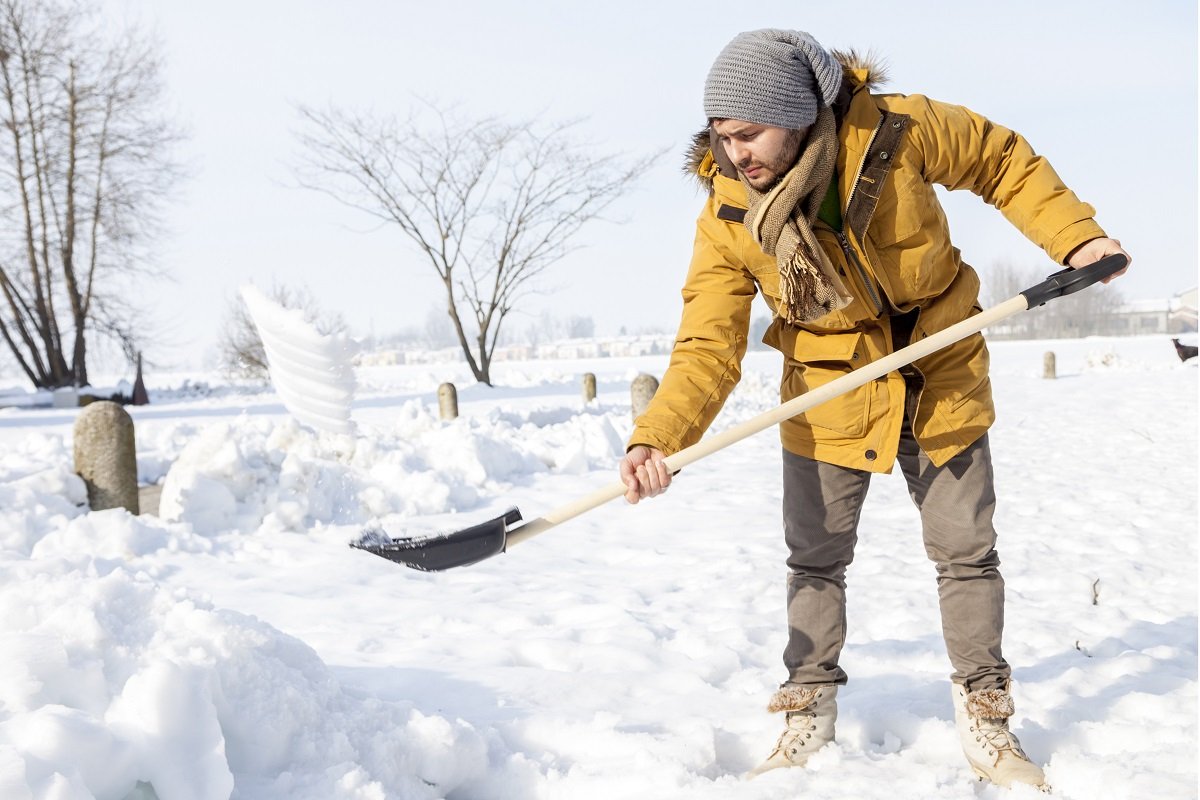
(872, 64)
(867, 70)
(990, 704)
(695, 156)
(794, 698)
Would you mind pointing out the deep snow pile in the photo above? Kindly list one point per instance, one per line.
(249, 472)
(238, 648)
(109, 680)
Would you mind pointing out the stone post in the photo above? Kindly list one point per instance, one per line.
(643, 388)
(1048, 368)
(448, 401)
(589, 387)
(106, 457)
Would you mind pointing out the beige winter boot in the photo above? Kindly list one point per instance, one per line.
(811, 713)
(994, 753)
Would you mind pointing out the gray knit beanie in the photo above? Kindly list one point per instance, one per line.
(772, 77)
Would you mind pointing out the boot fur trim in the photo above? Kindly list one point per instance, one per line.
(793, 698)
(990, 704)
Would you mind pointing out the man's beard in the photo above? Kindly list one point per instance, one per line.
(778, 166)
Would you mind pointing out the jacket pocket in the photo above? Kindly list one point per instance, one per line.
(764, 269)
(912, 244)
(902, 211)
(813, 361)
(976, 393)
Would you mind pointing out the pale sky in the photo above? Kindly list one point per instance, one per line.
(1106, 90)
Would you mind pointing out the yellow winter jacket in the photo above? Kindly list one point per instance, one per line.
(897, 260)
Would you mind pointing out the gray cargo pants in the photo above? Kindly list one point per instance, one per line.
(821, 508)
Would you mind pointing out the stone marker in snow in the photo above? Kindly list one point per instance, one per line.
(448, 401)
(643, 388)
(589, 387)
(1048, 366)
(105, 456)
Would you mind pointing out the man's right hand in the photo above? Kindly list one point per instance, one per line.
(644, 473)
(1091, 252)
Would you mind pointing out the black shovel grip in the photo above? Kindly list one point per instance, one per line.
(1070, 281)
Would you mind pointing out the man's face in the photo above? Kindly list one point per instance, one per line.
(762, 153)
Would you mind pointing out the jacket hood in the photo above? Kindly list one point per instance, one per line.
(860, 71)
(868, 70)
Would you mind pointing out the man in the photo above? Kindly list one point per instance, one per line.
(821, 197)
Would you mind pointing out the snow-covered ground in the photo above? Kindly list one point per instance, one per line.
(237, 647)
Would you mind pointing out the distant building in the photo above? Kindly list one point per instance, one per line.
(574, 348)
(648, 345)
(513, 352)
(1183, 312)
(379, 358)
(1137, 317)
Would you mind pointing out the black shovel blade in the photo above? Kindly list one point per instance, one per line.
(444, 551)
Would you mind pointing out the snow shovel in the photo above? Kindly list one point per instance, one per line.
(467, 546)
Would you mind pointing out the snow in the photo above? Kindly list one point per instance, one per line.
(237, 647)
(311, 371)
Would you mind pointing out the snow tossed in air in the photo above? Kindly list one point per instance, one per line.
(234, 646)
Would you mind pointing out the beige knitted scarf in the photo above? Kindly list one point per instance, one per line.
(781, 219)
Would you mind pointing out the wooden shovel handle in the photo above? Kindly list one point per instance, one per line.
(705, 447)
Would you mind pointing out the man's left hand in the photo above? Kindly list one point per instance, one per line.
(1096, 249)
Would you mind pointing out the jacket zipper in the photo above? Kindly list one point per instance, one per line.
(862, 164)
(845, 241)
(851, 258)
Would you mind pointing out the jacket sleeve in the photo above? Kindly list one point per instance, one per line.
(706, 359)
(963, 150)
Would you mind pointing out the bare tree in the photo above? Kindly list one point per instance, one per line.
(85, 162)
(1003, 280)
(439, 330)
(1085, 313)
(241, 348)
(581, 327)
(491, 205)
(546, 328)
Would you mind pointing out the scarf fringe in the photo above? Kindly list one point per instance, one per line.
(780, 222)
(807, 293)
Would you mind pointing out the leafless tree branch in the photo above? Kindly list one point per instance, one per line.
(491, 205)
(86, 162)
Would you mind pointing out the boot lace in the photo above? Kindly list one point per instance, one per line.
(800, 727)
(994, 736)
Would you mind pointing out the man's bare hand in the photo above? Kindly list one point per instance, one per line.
(1093, 251)
(644, 473)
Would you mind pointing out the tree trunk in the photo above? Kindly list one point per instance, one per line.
(481, 374)
(82, 141)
